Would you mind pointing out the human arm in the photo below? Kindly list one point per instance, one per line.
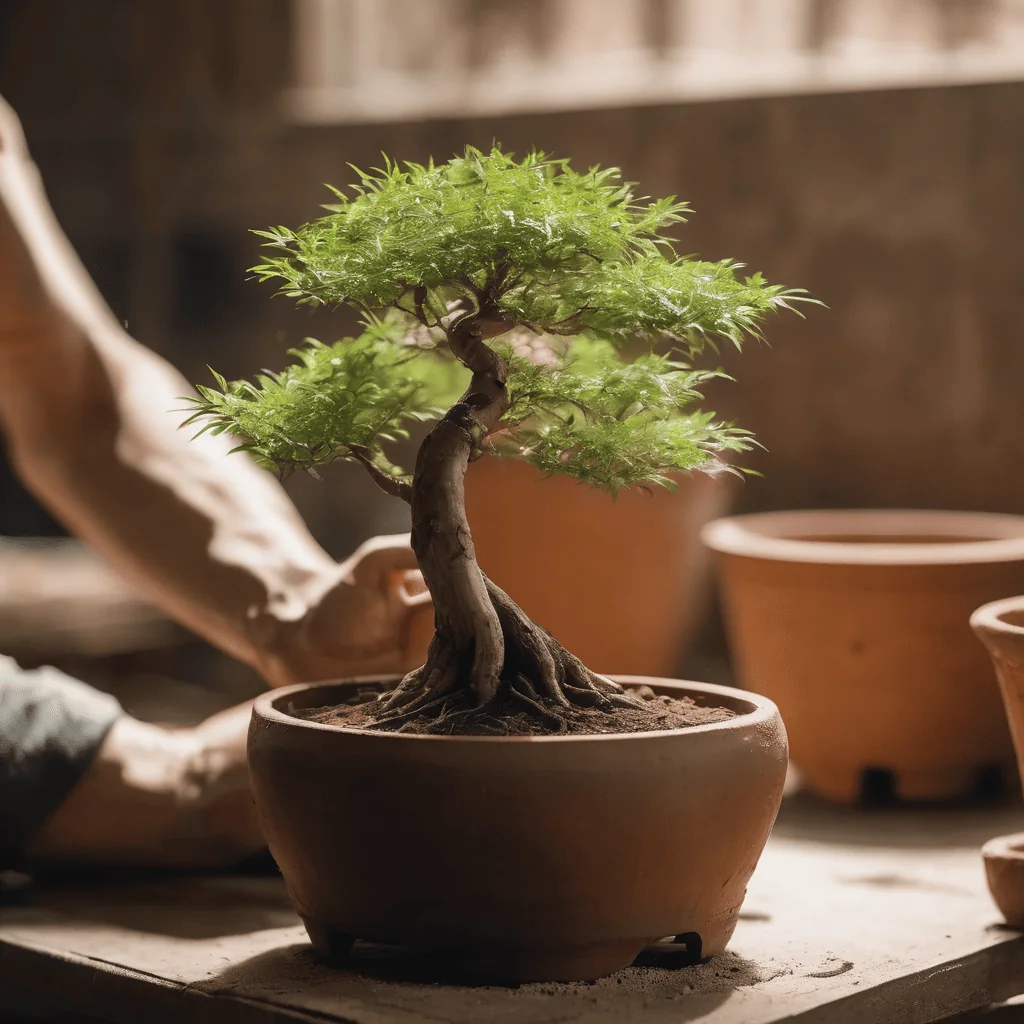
(91, 426)
(83, 782)
(158, 797)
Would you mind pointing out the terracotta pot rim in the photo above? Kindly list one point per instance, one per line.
(989, 617)
(1006, 848)
(762, 711)
(778, 536)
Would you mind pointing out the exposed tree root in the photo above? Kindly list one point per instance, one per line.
(516, 710)
(539, 677)
(532, 654)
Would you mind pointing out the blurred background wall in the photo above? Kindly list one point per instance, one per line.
(870, 151)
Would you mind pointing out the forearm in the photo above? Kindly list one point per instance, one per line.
(91, 425)
(159, 797)
(207, 536)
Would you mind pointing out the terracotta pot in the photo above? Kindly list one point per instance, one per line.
(855, 623)
(1004, 870)
(551, 858)
(1000, 627)
(620, 583)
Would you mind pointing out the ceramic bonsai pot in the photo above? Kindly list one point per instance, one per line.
(523, 858)
(855, 623)
(1000, 627)
(622, 583)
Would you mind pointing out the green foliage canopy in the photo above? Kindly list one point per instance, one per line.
(563, 250)
(531, 245)
(591, 415)
(334, 401)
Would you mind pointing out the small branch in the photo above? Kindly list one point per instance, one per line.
(396, 486)
(568, 325)
(470, 288)
(513, 282)
(497, 284)
(419, 297)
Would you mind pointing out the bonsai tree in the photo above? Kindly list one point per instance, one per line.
(533, 280)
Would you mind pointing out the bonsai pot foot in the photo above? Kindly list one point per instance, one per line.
(328, 942)
(554, 963)
(499, 962)
(948, 783)
(1004, 869)
(881, 785)
(491, 962)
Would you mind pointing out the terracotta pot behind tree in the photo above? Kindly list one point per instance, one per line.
(856, 624)
(1000, 627)
(621, 584)
(523, 857)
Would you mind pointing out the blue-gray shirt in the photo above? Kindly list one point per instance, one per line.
(50, 729)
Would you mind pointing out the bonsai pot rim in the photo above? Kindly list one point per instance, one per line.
(784, 536)
(760, 712)
(1009, 847)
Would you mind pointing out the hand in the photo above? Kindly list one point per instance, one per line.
(372, 619)
(160, 797)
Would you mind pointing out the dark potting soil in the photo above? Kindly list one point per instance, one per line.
(507, 716)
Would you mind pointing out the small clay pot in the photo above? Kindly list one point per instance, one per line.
(1004, 869)
(855, 623)
(1000, 627)
(522, 858)
(622, 583)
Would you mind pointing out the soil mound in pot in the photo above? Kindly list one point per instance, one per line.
(507, 716)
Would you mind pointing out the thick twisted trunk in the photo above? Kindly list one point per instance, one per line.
(464, 618)
(468, 646)
(483, 642)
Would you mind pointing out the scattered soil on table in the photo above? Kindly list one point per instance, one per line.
(388, 983)
(506, 716)
(719, 974)
(663, 978)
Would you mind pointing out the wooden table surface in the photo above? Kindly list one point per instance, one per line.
(851, 917)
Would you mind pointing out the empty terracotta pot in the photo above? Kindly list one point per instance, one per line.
(856, 624)
(1004, 870)
(1000, 627)
(620, 583)
(544, 858)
